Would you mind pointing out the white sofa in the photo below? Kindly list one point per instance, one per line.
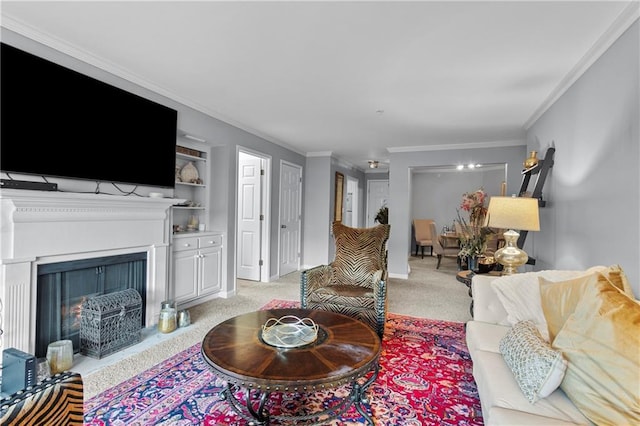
(503, 403)
(501, 396)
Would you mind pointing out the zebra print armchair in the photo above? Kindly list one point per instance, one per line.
(355, 283)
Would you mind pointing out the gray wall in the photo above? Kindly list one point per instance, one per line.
(592, 215)
(318, 208)
(320, 178)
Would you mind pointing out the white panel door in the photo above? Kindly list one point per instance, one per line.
(290, 223)
(377, 196)
(248, 240)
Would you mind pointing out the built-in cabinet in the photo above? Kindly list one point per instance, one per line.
(197, 267)
(192, 180)
(197, 251)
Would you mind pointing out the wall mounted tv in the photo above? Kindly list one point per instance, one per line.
(56, 122)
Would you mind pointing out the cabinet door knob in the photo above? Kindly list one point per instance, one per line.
(211, 242)
(187, 245)
(283, 226)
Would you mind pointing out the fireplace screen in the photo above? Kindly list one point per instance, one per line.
(63, 288)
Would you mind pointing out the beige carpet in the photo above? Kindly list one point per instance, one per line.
(428, 293)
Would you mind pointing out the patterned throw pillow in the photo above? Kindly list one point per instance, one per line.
(537, 368)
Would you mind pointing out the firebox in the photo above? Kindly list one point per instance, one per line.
(64, 286)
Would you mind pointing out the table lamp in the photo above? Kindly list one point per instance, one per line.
(511, 213)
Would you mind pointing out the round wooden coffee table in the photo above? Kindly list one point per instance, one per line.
(344, 351)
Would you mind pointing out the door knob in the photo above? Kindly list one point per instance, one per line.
(283, 226)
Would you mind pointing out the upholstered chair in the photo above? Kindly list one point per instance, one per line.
(424, 234)
(57, 400)
(444, 247)
(355, 283)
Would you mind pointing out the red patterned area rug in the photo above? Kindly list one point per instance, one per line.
(425, 379)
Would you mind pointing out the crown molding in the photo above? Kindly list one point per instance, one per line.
(472, 145)
(319, 154)
(628, 16)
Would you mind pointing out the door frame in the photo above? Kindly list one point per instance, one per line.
(299, 167)
(265, 236)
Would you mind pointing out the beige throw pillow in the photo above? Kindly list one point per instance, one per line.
(559, 299)
(601, 342)
(520, 294)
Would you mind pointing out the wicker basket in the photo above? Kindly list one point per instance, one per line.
(188, 151)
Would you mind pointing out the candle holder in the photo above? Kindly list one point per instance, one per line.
(60, 356)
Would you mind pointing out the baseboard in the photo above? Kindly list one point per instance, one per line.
(400, 276)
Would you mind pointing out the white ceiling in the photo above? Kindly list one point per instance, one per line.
(357, 79)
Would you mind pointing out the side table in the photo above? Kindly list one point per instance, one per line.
(465, 278)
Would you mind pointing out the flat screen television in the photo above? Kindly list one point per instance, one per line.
(56, 122)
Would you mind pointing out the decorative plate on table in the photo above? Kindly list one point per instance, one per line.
(289, 331)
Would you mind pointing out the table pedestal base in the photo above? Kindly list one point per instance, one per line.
(255, 409)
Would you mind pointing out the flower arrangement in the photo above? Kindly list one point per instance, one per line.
(473, 237)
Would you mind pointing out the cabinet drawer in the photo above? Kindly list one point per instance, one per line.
(210, 241)
(181, 244)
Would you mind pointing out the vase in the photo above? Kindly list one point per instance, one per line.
(189, 173)
(531, 161)
(472, 263)
(60, 356)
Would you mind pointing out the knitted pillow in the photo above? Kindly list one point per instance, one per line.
(537, 368)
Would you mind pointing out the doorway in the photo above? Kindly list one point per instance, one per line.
(351, 203)
(377, 196)
(290, 218)
(252, 237)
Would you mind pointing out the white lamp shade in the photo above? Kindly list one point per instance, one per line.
(519, 213)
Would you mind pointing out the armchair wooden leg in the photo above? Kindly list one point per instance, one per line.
(422, 247)
(439, 259)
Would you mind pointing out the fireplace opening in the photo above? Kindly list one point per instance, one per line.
(64, 286)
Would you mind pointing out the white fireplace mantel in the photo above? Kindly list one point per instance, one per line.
(39, 227)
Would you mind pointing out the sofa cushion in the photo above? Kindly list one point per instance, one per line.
(486, 305)
(498, 388)
(505, 416)
(601, 341)
(484, 336)
(520, 294)
(537, 368)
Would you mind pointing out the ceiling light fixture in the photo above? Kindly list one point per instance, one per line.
(373, 164)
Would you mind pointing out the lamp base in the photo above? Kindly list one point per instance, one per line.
(510, 256)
